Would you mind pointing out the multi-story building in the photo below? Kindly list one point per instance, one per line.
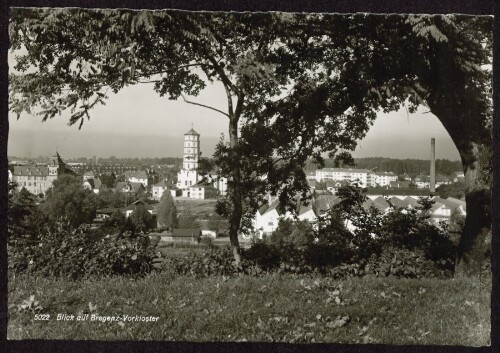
(363, 176)
(383, 178)
(137, 177)
(422, 181)
(189, 176)
(159, 188)
(37, 179)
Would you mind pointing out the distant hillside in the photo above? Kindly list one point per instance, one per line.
(399, 166)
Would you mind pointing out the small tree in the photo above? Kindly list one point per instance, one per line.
(108, 198)
(141, 218)
(296, 232)
(109, 180)
(115, 223)
(167, 212)
(67, 199)
(24, 218)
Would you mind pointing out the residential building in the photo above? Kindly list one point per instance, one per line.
(383, 178)
(306, 213)
(312, 184)
(133, 206)
(324, 203)
(159, 188)
(334, 185)
(422, 181)
(363, 176)
(88, 175)
(266, 219)
(94, 185)
(201, 190)
(140, 176)
(131, 191)
(37, 179)
(458, 176)
(399, 184)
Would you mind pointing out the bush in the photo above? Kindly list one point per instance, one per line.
(266, 256)
(75, 253)
(397, 262)
(125, 253)
(211, 262)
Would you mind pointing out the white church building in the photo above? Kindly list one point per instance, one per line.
(189, 179)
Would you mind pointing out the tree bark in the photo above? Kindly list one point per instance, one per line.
(473, 141)
(473, 246)
(237, 210)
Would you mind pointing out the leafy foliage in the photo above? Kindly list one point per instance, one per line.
(75, 253)
(68, 200)
(167, 212)
(24, 218)
(297, 85)
(141, 218)
(108, 198)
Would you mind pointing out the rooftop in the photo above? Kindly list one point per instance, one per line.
(344, 170)
(192, 132)
(193, 232)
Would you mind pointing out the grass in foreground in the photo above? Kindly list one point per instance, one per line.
(270, 308)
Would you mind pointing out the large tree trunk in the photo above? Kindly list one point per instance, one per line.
(237, 209)
(468, 129)
(473, 246)
(473, 141)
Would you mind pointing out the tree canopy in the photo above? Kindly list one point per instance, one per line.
(24, 218)
(68, 200)
(167, 212)
(297, 85)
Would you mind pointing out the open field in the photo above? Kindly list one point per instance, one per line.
(269, 308)
(184, 249)
(198, 207)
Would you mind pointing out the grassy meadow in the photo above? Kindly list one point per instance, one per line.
(271, 308)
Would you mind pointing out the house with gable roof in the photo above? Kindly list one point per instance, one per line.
(266, 219)
(132, 190)
(201, 190)
(159, 188)
(93, 184)
(89, 174)
(133, 206)
(140, 176)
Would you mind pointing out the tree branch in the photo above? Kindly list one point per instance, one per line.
(148, 74)
(204, 106)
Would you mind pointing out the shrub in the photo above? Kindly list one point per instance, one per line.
(265, 255)
(125, 253)
(75, 253)
(397, 262)
(211, 262)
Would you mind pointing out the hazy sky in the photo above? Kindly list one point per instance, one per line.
(137, 122)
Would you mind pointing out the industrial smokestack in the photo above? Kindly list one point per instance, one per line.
(433, 165)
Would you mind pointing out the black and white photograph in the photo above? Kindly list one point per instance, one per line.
(271, 177)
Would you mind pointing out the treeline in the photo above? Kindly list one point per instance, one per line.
(131, 161)
(399, 166)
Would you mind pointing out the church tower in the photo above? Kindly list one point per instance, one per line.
(56, 166)
(188, 175)
(191, 150)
